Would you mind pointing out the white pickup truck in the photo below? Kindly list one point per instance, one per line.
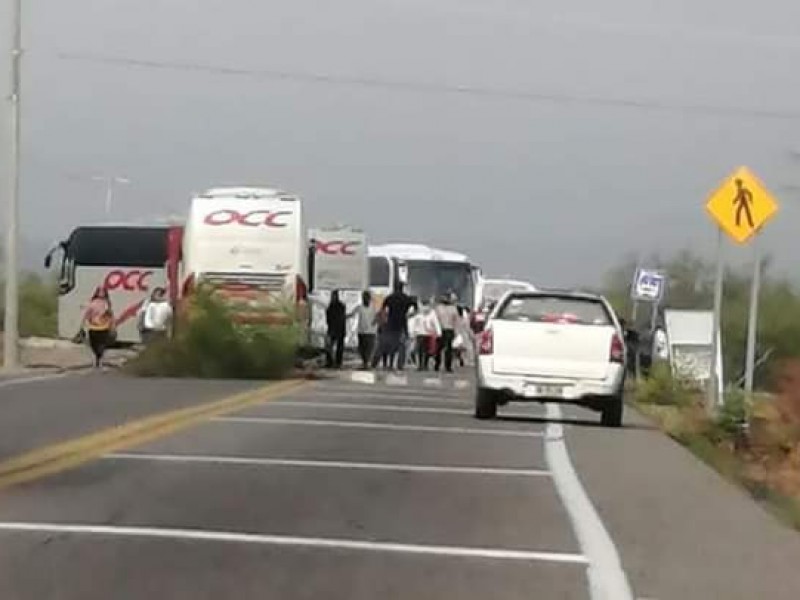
(551, 347)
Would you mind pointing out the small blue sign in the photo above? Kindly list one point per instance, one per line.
(648, 285)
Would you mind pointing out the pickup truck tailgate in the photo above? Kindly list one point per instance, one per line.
(571, 351)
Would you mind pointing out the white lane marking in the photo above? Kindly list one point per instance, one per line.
(363, 377)
(286, 540)
(375, 407)
(325, 464)
(387, 393)
(607, 580)
(387, 396)
(374, 425)
(23, 380)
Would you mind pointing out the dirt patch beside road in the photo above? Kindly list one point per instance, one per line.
(46, 355)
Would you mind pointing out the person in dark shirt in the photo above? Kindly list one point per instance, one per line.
(395, 308)
(336, 318)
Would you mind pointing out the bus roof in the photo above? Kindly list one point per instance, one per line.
(129, 225)
(416, 252)
(246, 192)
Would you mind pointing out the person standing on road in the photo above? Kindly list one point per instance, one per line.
(447, 313)
(336, 319)
(395, 307)
(426, 331)
(367, 327)
(462, 339)
(99, 321)
(155, 317)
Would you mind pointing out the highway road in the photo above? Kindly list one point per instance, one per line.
(343, 490)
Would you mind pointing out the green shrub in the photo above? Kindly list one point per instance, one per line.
(38, 306)
(734, 412)
(661, 388)
(209, 344)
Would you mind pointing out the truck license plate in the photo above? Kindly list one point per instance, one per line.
(547, 391)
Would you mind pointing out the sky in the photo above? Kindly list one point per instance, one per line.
(547, 140)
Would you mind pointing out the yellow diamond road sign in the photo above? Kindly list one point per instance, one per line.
(742, 205)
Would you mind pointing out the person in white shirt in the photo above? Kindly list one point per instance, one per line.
(463, 338)
(367, 328)
(155, 317)
(426, 331)
(660, 345)
(449, 319)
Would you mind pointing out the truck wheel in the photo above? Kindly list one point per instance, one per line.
(485, 404)
(612, 412)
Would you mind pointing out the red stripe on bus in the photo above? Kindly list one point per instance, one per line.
(129, 312)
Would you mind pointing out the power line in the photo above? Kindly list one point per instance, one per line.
(436, 88)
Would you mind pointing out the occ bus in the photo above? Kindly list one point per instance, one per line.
(249, 245)
(427, 272)
(127, 260)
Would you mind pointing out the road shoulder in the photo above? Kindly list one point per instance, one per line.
(682, 530)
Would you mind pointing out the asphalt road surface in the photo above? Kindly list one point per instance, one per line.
(352, 491)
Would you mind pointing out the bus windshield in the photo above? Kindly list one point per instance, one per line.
(118, 246)
(432, 279)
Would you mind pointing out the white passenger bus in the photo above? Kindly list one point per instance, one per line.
(428, 273)
(127, 260)
(249, 244)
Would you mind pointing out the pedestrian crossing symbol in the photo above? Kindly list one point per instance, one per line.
(742, 205)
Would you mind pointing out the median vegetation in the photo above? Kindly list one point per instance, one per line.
(209, 343)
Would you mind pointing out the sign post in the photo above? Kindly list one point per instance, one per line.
(715, 380)
(741, 206)
(648, 286)
(752, 321)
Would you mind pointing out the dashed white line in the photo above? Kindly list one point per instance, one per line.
(295, 541)
(607, 580)
(325, 464)
(375, 425)
(36, 378)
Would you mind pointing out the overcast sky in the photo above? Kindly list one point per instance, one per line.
(551, 190)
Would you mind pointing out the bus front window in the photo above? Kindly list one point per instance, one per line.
(432, 279)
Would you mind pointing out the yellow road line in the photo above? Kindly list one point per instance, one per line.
(65, 455)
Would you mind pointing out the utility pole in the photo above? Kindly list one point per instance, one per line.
(110, 182)
(11, 319)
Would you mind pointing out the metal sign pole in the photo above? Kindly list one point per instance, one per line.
(752, 321)
(714, 384)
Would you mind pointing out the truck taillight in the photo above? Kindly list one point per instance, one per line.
(486, 343)
(617, 353)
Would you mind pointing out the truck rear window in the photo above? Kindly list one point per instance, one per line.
(554, 309)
